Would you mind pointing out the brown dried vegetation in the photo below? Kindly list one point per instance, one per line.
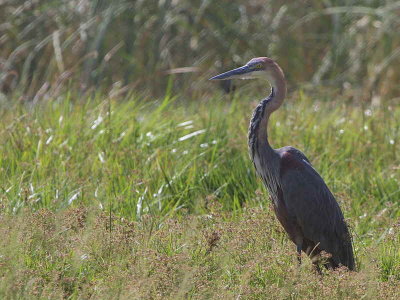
(77, 254)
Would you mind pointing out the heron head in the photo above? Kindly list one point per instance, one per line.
(259, 67)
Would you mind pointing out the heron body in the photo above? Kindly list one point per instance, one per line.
(301, 200)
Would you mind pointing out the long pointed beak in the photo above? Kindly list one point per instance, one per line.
(232, 73)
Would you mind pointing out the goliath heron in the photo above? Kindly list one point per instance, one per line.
(301, 200)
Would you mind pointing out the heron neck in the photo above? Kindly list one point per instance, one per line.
(278, 85)
(272, 103)
(264, 157)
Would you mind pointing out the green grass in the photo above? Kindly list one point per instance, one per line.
(158, 199)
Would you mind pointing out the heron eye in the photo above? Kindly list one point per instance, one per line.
(258, 66)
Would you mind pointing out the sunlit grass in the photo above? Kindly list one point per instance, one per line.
(165, 156)
(170, 159)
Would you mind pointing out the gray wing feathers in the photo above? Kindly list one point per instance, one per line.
(312, 205)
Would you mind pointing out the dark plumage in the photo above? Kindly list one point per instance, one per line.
(301, 200)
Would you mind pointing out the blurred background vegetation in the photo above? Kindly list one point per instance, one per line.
(50, 46)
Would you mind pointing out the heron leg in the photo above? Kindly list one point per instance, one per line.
(298, 246)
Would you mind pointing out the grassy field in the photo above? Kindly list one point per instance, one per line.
(151, 194)
(145, 199)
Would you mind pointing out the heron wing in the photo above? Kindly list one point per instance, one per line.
(310, 202)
